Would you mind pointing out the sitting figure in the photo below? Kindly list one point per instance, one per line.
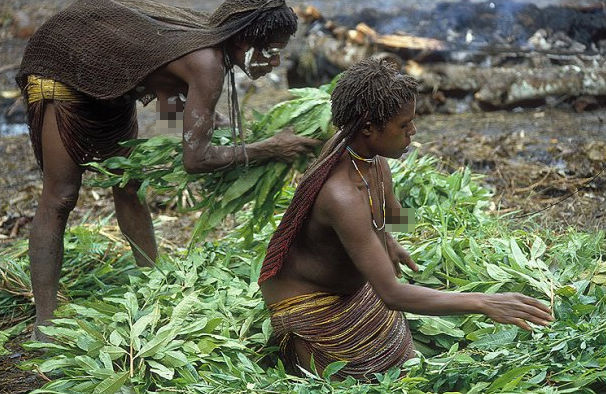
(330, 274)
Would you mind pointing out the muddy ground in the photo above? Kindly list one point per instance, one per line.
(546, 160)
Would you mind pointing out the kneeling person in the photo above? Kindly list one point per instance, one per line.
(330, 274)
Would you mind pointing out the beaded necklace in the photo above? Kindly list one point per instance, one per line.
(354, 155)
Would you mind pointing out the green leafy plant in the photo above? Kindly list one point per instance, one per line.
(157, 164)
(196, 322)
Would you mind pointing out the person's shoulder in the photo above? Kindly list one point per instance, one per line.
(337, 196)
(204, 62)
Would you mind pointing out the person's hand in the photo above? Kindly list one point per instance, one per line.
(221, 121)
(286, 146)
(515, 308)
(397, 254)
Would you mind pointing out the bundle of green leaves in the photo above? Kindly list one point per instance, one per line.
(157, 164)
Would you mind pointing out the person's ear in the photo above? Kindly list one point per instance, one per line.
(372, 129)
(241, 44)
(367, 129)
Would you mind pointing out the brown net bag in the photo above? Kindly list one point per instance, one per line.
(104, 48)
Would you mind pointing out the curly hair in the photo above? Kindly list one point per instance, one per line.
(275, 22)
(372, 91)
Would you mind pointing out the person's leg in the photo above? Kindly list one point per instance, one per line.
(135, 222)
(304, 356)
(60, 186)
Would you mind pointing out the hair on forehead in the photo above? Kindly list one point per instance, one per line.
(372, 91)
(271, 24)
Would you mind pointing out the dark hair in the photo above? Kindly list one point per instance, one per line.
(275, 22)
(372, 91)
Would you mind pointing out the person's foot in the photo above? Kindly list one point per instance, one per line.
(39, 336)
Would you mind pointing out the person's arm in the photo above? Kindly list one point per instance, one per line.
(203, 71)
(396, 252)
(348, 214)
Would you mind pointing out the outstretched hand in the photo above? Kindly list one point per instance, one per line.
(397, 254)
(515, 308)
(286, 146)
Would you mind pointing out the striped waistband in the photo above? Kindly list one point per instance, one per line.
(319, 301)
(39, 88)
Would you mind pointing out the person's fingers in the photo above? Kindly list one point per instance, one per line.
(532, 318)
(301, 150)
(537, 304)
(411, 264)
(540, 313)
(396, 265)
(522, 324)
(307, 142)
(312, 142)
(533, 307)
(512, 320)
(409, 261)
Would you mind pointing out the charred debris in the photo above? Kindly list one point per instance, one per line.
(468, 56)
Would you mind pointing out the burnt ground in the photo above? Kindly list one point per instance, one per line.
(531, 159)
(12, 379)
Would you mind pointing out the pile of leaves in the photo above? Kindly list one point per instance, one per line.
(197, 322)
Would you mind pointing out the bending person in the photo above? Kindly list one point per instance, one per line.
(330, 274)
(81, 75)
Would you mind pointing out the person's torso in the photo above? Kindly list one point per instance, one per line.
(318, 260)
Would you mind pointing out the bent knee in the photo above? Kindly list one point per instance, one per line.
(130, 189)
(62, 201)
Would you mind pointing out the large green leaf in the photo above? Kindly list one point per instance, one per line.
(112, 384)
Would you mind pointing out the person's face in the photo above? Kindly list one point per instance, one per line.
(393, 139)
(259, 61)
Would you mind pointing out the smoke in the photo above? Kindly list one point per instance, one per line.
(477, 24)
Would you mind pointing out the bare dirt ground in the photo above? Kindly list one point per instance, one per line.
(532, 159)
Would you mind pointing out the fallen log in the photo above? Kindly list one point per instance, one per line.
(506, 86)
(340, 53)
(399, 41)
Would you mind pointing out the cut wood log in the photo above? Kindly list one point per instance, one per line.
(340, 53)
(410, 42)
(308, 14)
(502, 87)
(399, 41)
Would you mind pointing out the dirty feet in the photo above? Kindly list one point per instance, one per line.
(39, 336)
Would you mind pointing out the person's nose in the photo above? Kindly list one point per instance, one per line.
(413, 130)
